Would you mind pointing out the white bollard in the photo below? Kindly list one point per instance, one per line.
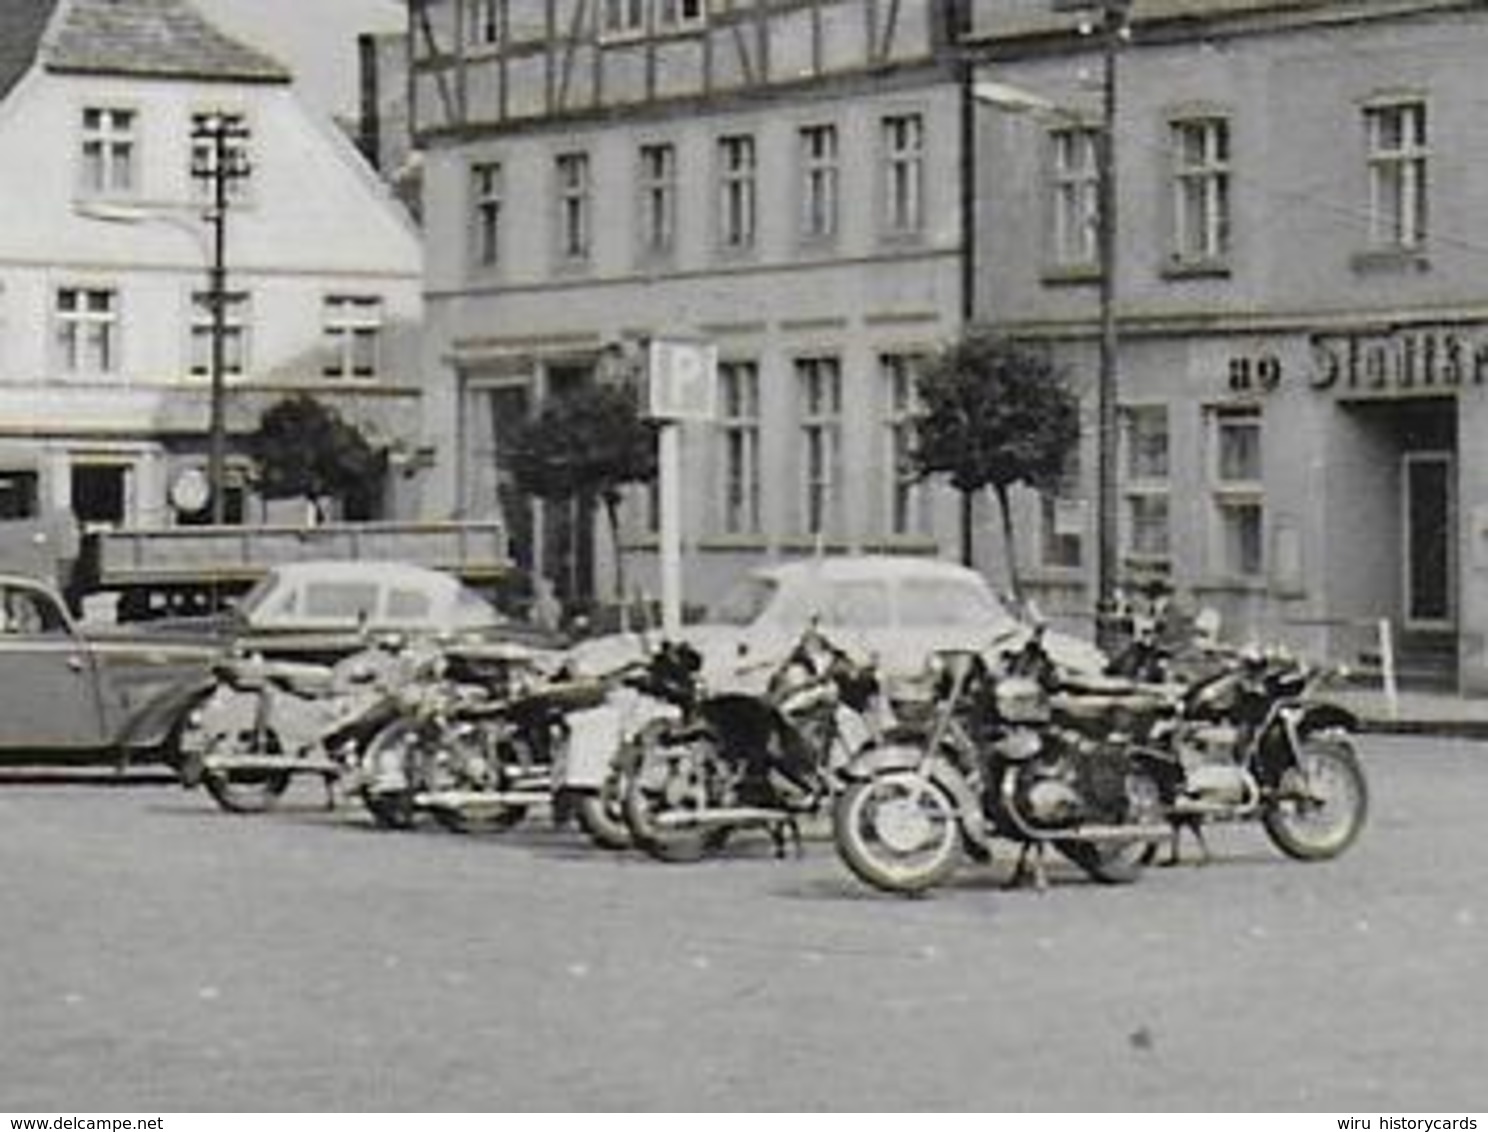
(1387, 667)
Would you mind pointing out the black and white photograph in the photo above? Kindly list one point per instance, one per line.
(732, 556)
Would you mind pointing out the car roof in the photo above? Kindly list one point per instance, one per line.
(869, 566)
(362, 570)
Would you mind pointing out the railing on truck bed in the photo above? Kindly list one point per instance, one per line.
(185, 556)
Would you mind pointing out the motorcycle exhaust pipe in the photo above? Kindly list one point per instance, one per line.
(1112, 833)
(230, 764)
(475, 800)
(707, 819)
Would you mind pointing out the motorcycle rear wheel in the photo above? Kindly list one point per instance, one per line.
(1321, 807)
(488, 821)
(898, 832)
(249, 792)
(393, 746)
(667, 780)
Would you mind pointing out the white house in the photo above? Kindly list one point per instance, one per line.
(106, 333)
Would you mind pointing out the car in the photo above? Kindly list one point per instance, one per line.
(75, 697)
(320, 609)
(897, 609)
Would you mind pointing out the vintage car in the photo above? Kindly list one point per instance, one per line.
(897, 609)
(83, 697)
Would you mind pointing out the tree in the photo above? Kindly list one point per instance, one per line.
(995, 413)
(587, 443)
(304, 449)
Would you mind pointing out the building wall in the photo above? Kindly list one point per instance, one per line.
(1354, 354)
(863, 293)
(314, 222)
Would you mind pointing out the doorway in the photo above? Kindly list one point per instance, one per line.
(1429, 519)
(101, 493)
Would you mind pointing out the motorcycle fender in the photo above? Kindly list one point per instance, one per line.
(1327, 717)
(594, 735)
(890, 757)
(881, 758)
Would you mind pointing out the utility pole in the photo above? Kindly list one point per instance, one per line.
(219, 160)
(1113, 31)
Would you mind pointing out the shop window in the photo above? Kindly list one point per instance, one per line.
(1145, 451)
(1236, 470)
(1062, 519)
(906, 503)
(819, 389)
(1398, 152)
(739, 434)
(1201, 191)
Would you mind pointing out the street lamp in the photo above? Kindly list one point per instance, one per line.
(1113, 32)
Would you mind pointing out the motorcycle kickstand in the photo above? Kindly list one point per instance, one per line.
(1036, 875)
(1175, 846)
(784, 832)
(330, 791)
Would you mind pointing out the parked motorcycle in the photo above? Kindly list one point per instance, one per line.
(1003, 756)
(473, 753)
(730, 761)
(1253, 742)
(262, 721)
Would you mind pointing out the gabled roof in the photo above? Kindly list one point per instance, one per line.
(22, 23)
(155, 38)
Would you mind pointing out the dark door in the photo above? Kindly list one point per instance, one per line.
(1429, 517)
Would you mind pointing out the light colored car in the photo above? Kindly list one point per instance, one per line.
(895, 609)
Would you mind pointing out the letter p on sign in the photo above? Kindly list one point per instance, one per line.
(682, 380)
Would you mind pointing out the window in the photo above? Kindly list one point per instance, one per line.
(739, 426)
(1201, 190)
(108, 150)
(19, 495)
(485, 194)
(1062, 519)
(1075, 198)
(353, 327)
(624, 17)
(1146, 459)
(680, 14)
(87, 330)
(221, 134)
(736, 197)
(904, 162)
(658, 198)
(574, 227)
(234, 333)
(1236, 471)
(482, 22)
(1397, 175)
(819, 179)
(341, 601)
(901, 404)
(819, 390)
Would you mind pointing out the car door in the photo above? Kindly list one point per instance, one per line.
(49, 694)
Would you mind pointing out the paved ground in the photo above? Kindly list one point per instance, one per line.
(157, 955)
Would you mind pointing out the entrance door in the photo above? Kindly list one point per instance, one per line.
(1429, 545)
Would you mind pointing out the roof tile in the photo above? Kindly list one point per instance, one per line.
(161, 38)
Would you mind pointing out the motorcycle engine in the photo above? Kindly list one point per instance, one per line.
(1076, 780)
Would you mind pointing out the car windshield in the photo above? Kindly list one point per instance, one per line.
(743, 604)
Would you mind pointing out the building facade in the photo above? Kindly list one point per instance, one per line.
(106, 330)
(1303, 313)
(778, 180)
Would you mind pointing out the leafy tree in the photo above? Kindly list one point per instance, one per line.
(305, 449)
(995, 413)
(586, 443)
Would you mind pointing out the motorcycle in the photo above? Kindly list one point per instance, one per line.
(1253, 742)
(261, 722)
(1003, 756)
(473, 752)
(731, 761)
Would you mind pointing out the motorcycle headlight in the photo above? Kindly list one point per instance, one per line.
(1022, 700)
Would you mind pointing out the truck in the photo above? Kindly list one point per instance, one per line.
(148, 573)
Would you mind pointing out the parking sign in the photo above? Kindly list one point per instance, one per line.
(682, 380)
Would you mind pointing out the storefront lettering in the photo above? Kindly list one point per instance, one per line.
(1397, 361)
(1261, 373)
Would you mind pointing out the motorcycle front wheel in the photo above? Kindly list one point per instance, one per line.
(1319, 806)
(601, 815)
(898, 831)
(671, 781)
(392, 753)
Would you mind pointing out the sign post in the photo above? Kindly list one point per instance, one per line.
(681, 385)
